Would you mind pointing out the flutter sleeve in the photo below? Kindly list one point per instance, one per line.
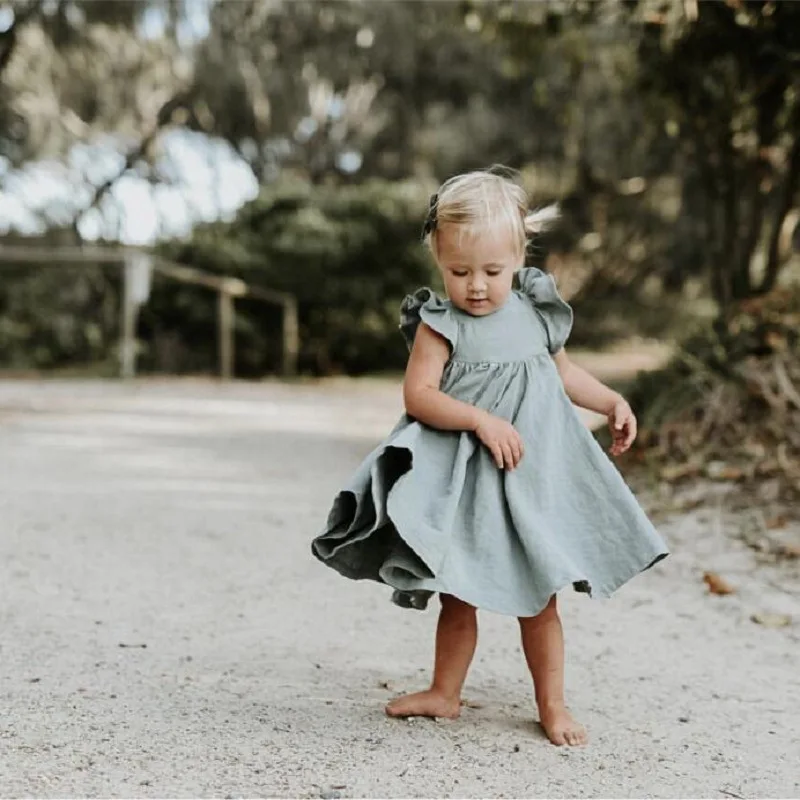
(554, 312)
(426, 306)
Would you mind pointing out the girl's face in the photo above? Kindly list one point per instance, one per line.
(478, 268)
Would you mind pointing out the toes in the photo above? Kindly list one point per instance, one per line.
(566, 732)
(576, 737)
(423, 704)
(557, 737)
(398, 707)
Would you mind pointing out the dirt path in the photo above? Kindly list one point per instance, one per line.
(165, 631)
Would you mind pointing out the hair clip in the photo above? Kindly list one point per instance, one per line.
(430, 220)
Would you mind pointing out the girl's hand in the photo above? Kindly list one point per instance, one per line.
(622, 422)
(502, 440)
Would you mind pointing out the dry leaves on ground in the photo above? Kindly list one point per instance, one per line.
(716, 584)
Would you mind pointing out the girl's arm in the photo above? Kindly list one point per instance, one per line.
(583, 389)
(587, 392)
(428, 404)
(421, 394)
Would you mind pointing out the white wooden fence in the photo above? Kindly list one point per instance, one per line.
(138, 266)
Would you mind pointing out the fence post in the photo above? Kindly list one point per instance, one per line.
(136, 282)
(225, 332)
(127, 344)
(291, 336)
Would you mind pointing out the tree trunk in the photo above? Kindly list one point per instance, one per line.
(785, 200)
(741, 279)
(8, 39)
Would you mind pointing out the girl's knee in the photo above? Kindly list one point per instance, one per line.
(454, 605)
(548, 613)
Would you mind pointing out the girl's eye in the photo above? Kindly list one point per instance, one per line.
(493, 273)
(459, 273)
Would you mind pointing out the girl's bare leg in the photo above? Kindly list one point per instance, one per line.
(456, 638)
(543, 644)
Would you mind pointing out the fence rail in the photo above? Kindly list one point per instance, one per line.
(137, 265)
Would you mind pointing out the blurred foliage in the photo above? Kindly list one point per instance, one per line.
(728, 86)
(348, 254)
(77, 71)
(668, 129)
(57, 315)
(727, 407)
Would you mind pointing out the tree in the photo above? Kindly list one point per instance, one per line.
(80, 72)
(728, 82)
(347, 91)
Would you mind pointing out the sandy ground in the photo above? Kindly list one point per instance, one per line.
(166, 633)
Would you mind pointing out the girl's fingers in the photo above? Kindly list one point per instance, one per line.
(512, 455)
(507, 452)
(497, 454)
(623, 438)
(516, 451)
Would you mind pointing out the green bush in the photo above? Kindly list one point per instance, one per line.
(348, 254)
(55, 316)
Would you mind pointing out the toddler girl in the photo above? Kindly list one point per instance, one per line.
(490, 491)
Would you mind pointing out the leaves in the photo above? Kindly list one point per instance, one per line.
(717, 584)
(771, 620)
(728, 405)
(354, 253)
(101, 79)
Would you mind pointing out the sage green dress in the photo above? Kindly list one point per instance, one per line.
(429, 511)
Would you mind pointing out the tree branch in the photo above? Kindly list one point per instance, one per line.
(163, 119)
(730, 216)
(769, 102)
(785, 200)
(8, 40)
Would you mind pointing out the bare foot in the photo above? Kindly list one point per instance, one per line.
(424, 704)
(561, 728)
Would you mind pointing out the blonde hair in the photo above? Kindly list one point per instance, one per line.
(485, 199)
